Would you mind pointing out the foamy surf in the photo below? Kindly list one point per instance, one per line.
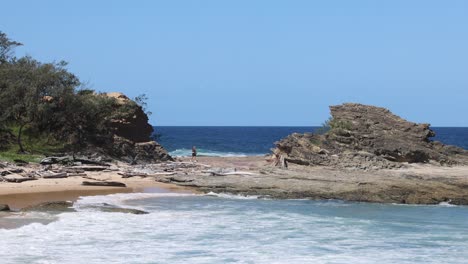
(210, 153)
(219, 228)
(233, 196)
(120, 199)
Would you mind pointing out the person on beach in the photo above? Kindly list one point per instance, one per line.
(194, 154)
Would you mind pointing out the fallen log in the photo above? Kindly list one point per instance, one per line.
(89, 168)
(77, 174)
(55, 176)
(17, 180)
(109, 183)
(132, 174)
(242, 173)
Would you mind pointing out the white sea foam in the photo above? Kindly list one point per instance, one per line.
(187, 228)
(233, 196)
(119, 199)
(209, 153)
(447, 204)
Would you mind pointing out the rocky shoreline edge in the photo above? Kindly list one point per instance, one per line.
(365, 154)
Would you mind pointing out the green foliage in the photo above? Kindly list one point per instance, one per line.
(141, 100)
(333, 125)
(324, 128)
(340, 124)
(44, 108)
(12, 155)
(6, 47)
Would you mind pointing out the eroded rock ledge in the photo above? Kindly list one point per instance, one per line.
(368, 137)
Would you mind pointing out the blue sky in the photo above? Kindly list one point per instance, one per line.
(259, 62)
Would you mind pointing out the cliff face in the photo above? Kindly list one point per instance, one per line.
(133, 124)
(366, 137)
(132, 133)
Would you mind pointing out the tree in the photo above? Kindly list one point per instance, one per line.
(31, 89)
(6, 47)
(141, 100)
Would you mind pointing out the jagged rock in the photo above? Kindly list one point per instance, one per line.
(59, 206)
(132, 134)
(368, 137)
(146, 152)
(134, 125)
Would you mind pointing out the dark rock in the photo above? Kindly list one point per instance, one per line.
(59, 206)
(113, 209)
(4, 208)
(145, 152)
(104, 183)
(20, 162)
(368, 137)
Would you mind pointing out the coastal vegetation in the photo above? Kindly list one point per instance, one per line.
(44, 108)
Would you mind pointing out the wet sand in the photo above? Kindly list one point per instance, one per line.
(19, 195)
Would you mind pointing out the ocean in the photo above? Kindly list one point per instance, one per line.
(223, 228)
(252, 141)
(189, 228)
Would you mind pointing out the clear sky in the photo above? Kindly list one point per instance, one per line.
(258, 62)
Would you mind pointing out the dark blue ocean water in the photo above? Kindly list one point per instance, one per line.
(238, 141)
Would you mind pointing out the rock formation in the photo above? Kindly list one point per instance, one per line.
(368, 137)
(133, 125)
(132, 133)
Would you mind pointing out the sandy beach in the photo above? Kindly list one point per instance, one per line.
(19, 195)
(417, 184)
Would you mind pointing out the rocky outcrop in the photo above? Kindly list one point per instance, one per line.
(132, 121)
(368, 137)
(143, 152)
(132, 133)
(58, 206)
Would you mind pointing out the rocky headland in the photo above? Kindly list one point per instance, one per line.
(364, 153)
(367, 137)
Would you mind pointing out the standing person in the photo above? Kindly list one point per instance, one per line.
(194, 154)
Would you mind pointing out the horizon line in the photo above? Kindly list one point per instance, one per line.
(275, 126)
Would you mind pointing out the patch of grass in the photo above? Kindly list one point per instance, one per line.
(36, 147)
(11, 155)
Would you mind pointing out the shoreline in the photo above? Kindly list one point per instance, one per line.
(254, 175)
(412, 184)
(20, 195)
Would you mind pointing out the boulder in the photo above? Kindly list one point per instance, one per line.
(4, 208)
(59, 206)
(368, 137)
(143, 152)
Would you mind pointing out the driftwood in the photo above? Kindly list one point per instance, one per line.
(17, 180)
(77, 174)
(144, 174)
(132, 174)
(104, 183)
(242, 173)
(280, 161)
(55, 176)
(89, 168)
